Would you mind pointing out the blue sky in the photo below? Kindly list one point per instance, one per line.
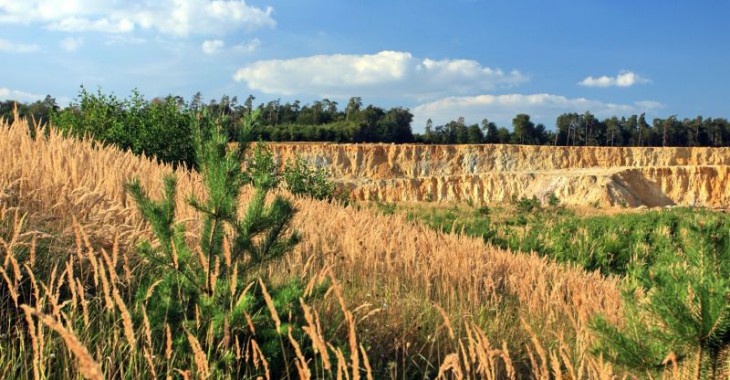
(442, 59)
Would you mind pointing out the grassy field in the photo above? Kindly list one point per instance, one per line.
(388, 292)
(613, 241)
(672, 263)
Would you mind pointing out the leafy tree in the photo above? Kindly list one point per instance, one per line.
(353, 107)
(271, 110)
(503, 135)
(196, 104)
(564, 126)
(395, 126)
(330, 110)
(125, 123)
(161, 128)
(429, 137)
(39, 111)
(475, 134)
(694, 127)
(523, 129)
(613, 131)
(644, 129)
(369, 118)
(248, 104)
(631, 130)
(490, 131)
(591, 125)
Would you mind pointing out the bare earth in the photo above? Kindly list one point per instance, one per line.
(487, 174)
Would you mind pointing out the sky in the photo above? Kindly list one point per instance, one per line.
(475, 59)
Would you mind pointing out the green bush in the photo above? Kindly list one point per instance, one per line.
(527, 205)
(162, 128)
(553, 200)
(301, 179)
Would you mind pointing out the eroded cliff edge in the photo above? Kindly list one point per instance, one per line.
(610, 177)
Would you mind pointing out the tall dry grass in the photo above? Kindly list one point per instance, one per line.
(421, 301)
(64, 324)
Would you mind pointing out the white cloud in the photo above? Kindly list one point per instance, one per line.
(121, 39)
(248, 47)
(211, 47)
(386, 73)
(103, 25)
(173, 17)
(623, 79)
(649, 105)
(543, 108)
(22, 96)
(12, 47)
(71, 44)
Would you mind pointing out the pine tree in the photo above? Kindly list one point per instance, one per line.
(189, 292)
(220, 168)
(685, 313)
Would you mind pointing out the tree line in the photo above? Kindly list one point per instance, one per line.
(162, 126)
(322, 120)
(573, 129)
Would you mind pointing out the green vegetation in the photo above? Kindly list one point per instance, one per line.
(684, 316)
(613, 244)
(300, 179)
(194, 297)
(675, 264)
(170, 131)
(160, 127)
(240, 241)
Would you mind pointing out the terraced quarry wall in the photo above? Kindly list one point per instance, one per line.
(610, 177)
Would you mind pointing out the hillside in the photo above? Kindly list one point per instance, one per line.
(401, 279)
(608, 177)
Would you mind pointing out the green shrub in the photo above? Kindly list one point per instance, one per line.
(386, 208)
(483, 211)
(527, 205)
(553, 200)
(162, 128)
(301, 179)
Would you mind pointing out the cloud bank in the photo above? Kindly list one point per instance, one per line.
(623, 79)
(381, 74)
(543, 108)
(22, 96)
(171, 17)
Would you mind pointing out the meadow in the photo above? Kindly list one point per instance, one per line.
(362, 292)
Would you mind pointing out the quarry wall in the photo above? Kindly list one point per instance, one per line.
(609, 177)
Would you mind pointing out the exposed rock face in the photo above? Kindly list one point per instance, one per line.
(495, 173)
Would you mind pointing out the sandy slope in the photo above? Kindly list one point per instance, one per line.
(610, 177)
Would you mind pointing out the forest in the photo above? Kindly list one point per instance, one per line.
(160, 126)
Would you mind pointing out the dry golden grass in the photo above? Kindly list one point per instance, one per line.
(411, 292)
(87, 366)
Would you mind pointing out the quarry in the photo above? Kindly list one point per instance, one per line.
(488, 174)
